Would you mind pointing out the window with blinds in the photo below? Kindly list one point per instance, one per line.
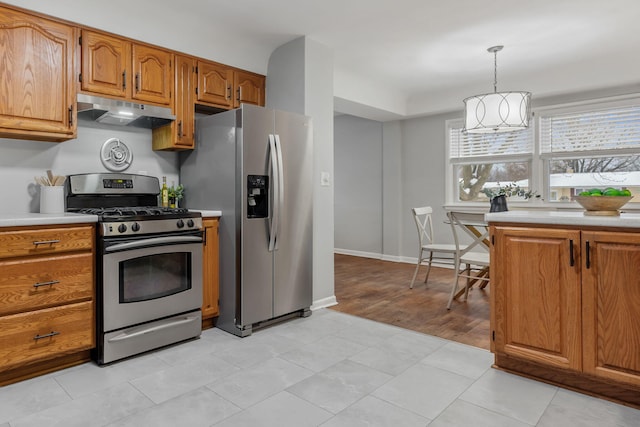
(567, 149)
(466, 146)
(483, 162)
(609, 129)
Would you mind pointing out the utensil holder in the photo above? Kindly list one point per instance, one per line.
(51, 199)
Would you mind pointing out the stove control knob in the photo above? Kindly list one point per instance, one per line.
(135, 226)
(180, 223)
(122, 228)
(190, 223)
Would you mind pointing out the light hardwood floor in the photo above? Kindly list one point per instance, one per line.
(379, 290)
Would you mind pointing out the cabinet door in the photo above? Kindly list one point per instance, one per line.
(184, 123)
(37, 100)
(535, 286)
(249, 88)
(152, 75)
(179, 134)
(211, 269)
(610, 305)
(106, 60)
(214, 84)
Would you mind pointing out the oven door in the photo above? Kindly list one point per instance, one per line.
(145, 279)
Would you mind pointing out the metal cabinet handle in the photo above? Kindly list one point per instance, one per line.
(587, 248)
(50, 334)
(70, 115)
(572, 261)
(124, 79)
(46, 242)
(51, 283)
(137, 81)
(228, 91)
(180, 129)
(239, 93)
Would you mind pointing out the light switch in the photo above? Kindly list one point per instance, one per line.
(325, 179)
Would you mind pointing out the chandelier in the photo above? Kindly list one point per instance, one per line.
(497, 111)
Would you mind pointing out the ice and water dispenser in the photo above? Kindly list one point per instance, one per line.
(257, 196)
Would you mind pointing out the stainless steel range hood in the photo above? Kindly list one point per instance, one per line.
(122, 113)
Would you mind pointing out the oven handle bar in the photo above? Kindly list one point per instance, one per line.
(125, 336)
(153, 241)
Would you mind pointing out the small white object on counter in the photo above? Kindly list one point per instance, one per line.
(51, 199)
(627, 220)
(27, 219)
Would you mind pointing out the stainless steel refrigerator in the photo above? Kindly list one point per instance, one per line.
(255, 165)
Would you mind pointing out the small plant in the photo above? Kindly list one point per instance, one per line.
(176, 193)
(509, 190)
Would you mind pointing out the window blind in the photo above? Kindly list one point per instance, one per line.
(601, 130)
(463, 146)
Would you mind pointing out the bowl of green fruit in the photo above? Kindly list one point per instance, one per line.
(605, 202)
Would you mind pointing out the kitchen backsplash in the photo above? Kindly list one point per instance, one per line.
(21, 161)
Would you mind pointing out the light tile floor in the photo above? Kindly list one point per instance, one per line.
(330, 369)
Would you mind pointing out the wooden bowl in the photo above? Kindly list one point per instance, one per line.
(602, 205)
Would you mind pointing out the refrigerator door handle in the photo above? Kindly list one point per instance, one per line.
(273, 222)
(280, 202)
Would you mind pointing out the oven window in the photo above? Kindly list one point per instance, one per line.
(154, 276)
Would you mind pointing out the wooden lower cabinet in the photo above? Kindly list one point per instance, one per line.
(210, 273)
(536, 292)
(611, 306)
(565, 307)
(47, 289)
(42, 334)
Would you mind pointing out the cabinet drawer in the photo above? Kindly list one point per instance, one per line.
(38, 335)
(45, 241)
(41, 282)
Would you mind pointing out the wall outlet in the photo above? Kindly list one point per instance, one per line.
(325, 179)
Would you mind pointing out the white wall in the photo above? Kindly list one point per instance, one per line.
(301, 80)
(21, 160)
(358, 185)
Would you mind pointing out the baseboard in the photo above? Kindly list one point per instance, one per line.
(393, 258)
(383, 257)
(324, 303)
(358, 253)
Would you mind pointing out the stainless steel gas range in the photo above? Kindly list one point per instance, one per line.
(149, 264)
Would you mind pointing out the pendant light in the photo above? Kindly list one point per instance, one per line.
(497, 111)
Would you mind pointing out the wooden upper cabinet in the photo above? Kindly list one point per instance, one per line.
(152, 74)
(37, 100)
(214, 84)
(249, 88)
(118, 68)
(179, 134)
(535, 288)
(105, 61)
(611, 297)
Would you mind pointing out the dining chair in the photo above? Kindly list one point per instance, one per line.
(426, 246)
(471, 261)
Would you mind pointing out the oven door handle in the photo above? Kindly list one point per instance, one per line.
(155, 241)
(125, 336)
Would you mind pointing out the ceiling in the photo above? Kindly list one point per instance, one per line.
(399, 58)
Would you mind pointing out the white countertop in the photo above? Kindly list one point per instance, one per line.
(26, 219)
(629, 220)
(208, 213)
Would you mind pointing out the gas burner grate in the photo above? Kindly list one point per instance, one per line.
(134, 211)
